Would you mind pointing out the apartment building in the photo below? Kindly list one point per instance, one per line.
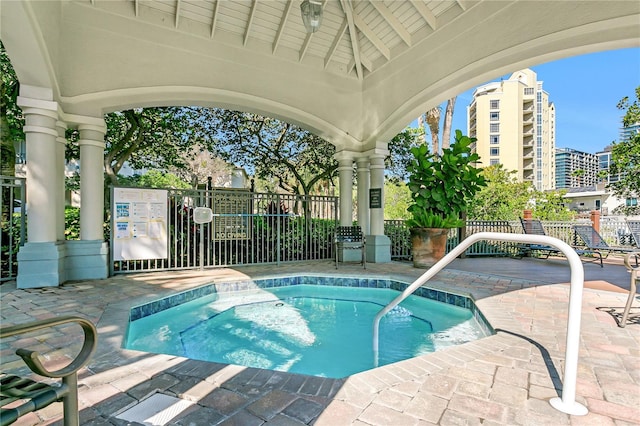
(576, 169)
(514, 124)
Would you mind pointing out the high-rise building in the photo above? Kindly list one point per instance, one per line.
(515, 125)
(628, 132)
(575, 169)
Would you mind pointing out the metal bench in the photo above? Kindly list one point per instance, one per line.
(350, 238)
(21, 395)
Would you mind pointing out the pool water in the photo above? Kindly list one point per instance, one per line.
(315, 330)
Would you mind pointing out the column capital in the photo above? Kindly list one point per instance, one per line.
(343, 156)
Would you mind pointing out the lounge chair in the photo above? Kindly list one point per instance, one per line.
(594, 241)
(635, 277)
(634, 227)
(534, 227)
(350, 238)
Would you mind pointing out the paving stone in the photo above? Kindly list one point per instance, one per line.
(200, 416)
(271, 404)
(338, 413)
(303, 410)
(242, 418)
(158, 383)
(439, 385)
(378, 415)
(426, 407)
(615, 411)
(454, 418)
(224, 401)
(508, 395)
(478, 407)
(282, 420)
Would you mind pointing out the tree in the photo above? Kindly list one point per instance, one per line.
(625, 158)
(294, 159)
(432, 119)
(11, 120)
(505, 198)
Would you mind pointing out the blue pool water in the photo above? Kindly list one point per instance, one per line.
(316, 330)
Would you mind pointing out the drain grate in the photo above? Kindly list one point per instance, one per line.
(157, 410)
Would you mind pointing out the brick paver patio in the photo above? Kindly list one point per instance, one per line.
(504, 379)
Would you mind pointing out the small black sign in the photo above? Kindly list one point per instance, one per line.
(375, 198)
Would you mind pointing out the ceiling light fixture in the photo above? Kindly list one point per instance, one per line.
(311, 15)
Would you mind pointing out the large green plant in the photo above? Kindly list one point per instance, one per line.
(441, 186)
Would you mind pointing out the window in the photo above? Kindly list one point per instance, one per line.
(528, 91)
(494, 104)
(494, 161)
(494, 152)
(494, 116)
(494, 139)
(632, 202)
(494, 127)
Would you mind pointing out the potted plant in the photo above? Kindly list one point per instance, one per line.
(440, 187)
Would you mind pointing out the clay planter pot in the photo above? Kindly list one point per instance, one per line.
(429, 245)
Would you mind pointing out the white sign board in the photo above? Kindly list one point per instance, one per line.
(139, 223)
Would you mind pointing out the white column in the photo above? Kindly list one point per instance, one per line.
(92, 145)
(61, 146)
(363, 193)
(377, 181)
(345, 178)
(42, 173)
(41, 259)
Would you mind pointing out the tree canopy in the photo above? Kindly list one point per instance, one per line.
(625, 158)
(11, 120)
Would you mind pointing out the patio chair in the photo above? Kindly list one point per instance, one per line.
(350, 238)
(635, 277)
(594, 241)
(20, 395)
(634, 227)
(534, 227)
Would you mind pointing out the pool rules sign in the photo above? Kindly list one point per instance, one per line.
(139, 223)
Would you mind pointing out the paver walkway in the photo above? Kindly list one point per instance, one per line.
(505, 379)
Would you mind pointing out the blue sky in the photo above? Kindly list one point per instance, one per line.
(585, 90)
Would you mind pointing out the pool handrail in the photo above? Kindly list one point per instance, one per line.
(567, 403)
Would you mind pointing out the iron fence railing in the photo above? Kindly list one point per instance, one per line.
(12, 224)
(614, 230)
(247, 228)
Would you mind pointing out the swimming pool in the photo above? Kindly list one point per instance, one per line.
(318, 326)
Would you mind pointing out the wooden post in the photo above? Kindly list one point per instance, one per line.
(527, 215)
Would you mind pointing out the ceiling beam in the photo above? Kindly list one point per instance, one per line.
(305, 46)
(178, 4)
(426, 13)
(348, 12)
(371, 35)
(136, 7)
(462, 6)
(394, 22)
(214, 18)
(252, 14)
(283, 22)
(335, 43)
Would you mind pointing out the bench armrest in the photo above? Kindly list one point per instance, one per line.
(32, 358)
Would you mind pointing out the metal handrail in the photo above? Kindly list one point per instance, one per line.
(566, 404)
(69, 373)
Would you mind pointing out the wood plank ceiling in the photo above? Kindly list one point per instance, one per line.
(356, 37)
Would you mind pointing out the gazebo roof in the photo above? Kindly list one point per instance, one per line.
(372, 67)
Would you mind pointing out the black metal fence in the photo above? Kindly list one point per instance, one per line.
(12, 224)
(247, 228)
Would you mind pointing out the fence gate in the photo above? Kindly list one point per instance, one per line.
(12, 224)
(247, 228)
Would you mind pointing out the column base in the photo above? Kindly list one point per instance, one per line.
(87, 260)
(378, 249)
(41, 265)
